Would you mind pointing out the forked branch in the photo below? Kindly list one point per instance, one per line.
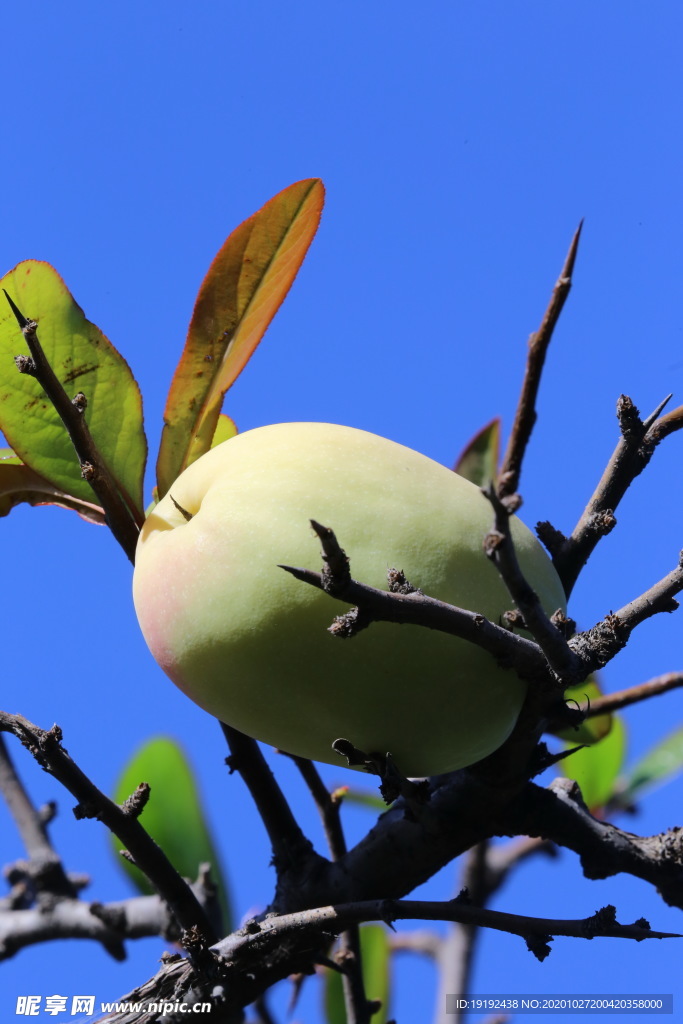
(633, 451)
(47, 750)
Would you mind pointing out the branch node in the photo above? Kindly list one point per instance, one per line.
(348, 625)
(630, 423)
(393, 784)
(566, 626)
(85, 809)
(113, 917)
(136, 802)
(602, 919)
(539, 945)
(48, 812)
(553, 538)
(25, 364)
(398, 584)
(336, 574)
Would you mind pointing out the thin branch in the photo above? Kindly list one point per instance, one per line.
(47, 750)
(486, 869)
(500, 549)
(336, 572)
(349, 956)
(262, 1009)
(597, 646)
(358, 1009)
(665, 425)
(610, 702)
(123, 519)
(416, 608)
(108, 924)
(44, 867)
(335, 918)
(558, 813)
(291, 849)
(525, 416)
(457, 954)
(422, 941)
(630, 457)
(328, 806)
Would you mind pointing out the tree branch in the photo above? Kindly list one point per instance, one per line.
(292, 851)
(47, 750)
(611, 702)
(558, 813)
(44, 867)
(358, 1010)
(630, 457)
(486, 869)
(384, 606)
(108, 924)
(525, 416)
(500, 549)
(333, 919)
(597, 646)
(397, 855)
(123, 519)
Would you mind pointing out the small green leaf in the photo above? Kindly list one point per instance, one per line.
(225, 429)
(83, 360)
(364, 798)
(9, 458)
(659, 765)
(240, 295)
(478, 461)
(375, 954)
(597, 768)
(592, 729)
(173, 815)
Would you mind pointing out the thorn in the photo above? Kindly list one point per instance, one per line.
(21, 319)
(654, 415)
(568, 268)
(305, 575)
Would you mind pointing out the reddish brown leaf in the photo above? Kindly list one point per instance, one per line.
(241, 293)
(20, 484)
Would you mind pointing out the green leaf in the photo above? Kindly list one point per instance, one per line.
(240, 295)
(9, 458)
(173, 815)
(83, 360)
(592, 729)
(364, 798)
(20, 484)
(478, 461)
(596, 768)
(225, 429)
(659, 765)
(375, 955)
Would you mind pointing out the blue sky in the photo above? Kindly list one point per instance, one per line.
(460, 144)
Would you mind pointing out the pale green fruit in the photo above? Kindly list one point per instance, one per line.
(249, 643)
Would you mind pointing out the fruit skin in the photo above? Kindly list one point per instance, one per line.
(249, 643)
